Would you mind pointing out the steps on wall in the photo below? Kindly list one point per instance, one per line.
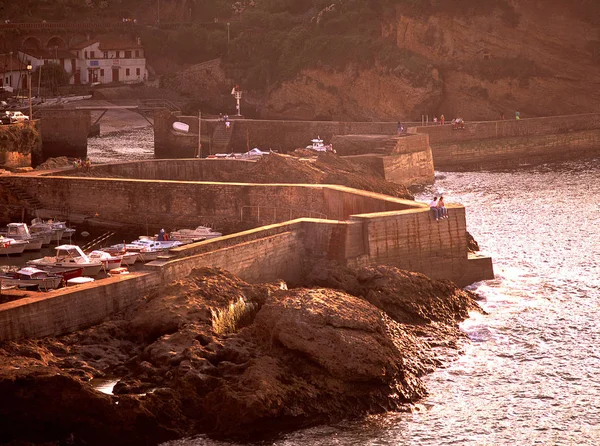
(222, 138)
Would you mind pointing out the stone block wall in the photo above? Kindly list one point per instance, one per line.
(72, 308)
(282, 136)
(65, 133)
(414, 241)
(515, 151)
(476, 131)
(265, 259)
(188, 204)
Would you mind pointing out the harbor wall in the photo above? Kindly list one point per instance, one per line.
(72, 308)
(65, 132)
(188, 204)
(506, 144)
(409, 239)
(282, 136)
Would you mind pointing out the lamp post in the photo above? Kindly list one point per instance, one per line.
(29, 68)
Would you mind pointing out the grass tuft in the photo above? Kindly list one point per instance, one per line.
(233, 317)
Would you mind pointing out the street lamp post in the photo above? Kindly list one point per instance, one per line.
(29, 68)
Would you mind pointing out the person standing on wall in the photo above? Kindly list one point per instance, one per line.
(442, 120)
(517, 115)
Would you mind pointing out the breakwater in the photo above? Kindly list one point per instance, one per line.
(291, 227)
(509, 143)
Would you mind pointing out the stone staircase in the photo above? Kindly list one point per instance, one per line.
(31, 203)
(222, 138)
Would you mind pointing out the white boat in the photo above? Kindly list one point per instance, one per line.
(108, 260)
(62, 226)
(140, 250)
(32, 276)
(254, 154)
(194, 235)
(40, 227)
(70, 255)
(319, 146)
(11, 246)
(20, 231)
(181, 127)
(155, 243)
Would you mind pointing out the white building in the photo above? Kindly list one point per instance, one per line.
(40, 57)
(12, 72)
(109, 59)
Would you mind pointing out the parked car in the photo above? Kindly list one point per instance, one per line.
(18, 116)
(5, 119)
(3, 105)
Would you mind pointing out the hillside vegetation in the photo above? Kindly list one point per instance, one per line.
(356, 59)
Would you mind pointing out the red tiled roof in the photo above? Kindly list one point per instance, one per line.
(6, 64)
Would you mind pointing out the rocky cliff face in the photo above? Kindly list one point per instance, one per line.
(540, 58)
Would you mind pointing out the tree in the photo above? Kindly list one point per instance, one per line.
(53, 76)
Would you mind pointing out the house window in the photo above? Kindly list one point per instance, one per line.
(106, 54)
(137, 71)
(85, 55)
(137, 53)
(101, 72)
(127, 54)
(91, 55)
(117, 54)
(126, 71)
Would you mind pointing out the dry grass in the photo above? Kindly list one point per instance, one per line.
(233, 317)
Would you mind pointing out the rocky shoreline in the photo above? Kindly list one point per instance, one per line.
(343, 344)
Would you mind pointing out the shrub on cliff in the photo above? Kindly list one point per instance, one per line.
(21, 138)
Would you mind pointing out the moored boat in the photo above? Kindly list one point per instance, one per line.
(70, 255)
(108, 260)
(11, 246)
(30, 276)
(67, 272)
(20, 231)
(194, 235)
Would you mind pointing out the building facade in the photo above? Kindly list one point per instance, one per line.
(102, 61)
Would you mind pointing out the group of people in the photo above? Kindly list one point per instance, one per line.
(80, 164)
(438, 207)
(441, 121)
(225, 118)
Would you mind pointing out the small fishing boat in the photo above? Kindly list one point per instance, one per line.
(20, 231)
(181, 127)
(108, 260)
(70, 255)
(32, 277)
(194, 235)
(10, 246)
